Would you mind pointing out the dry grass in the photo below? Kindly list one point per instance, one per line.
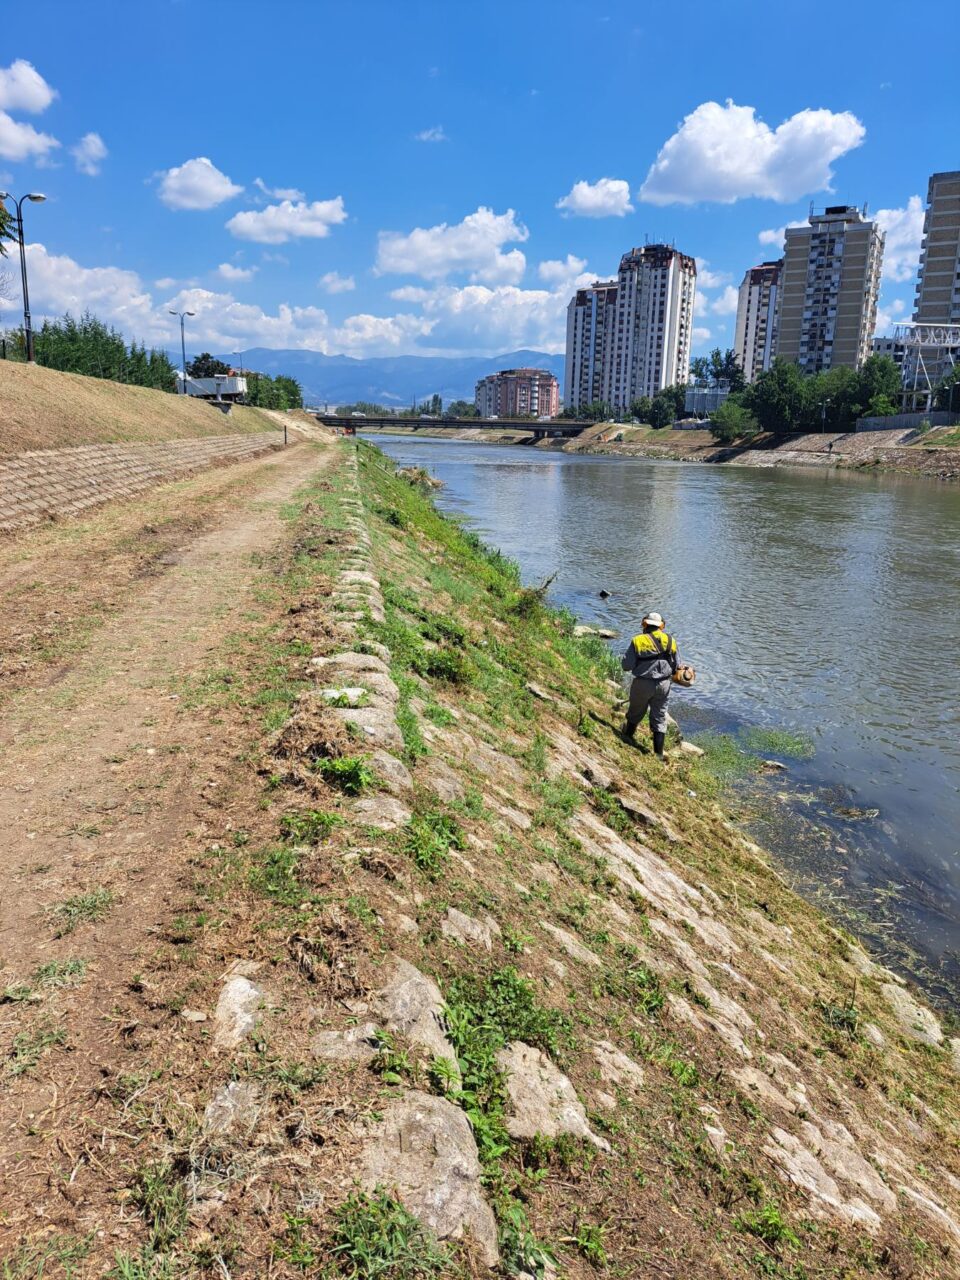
(43, 409)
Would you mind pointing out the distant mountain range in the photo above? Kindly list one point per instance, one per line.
(388, 380)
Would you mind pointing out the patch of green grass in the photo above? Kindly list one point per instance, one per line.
(350, 774)
(844, 1018)
(724, 757)
(778, 742)
(162, 1200)
(438, 715)
(145, 1265)
(57, 1256)
(29, 1046)
(275, 874)
(375, 1238)
(60, 973)
(507, 1005)
(558, 801)
(769, 1225)
(588, 1240)
(428, 838)
(446, 664)
(632, 981)
(308, 826)
(82, 908)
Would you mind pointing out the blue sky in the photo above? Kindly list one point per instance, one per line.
(381, 178)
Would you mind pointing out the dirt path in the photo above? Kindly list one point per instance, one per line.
(104, 772)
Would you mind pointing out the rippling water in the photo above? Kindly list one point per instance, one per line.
(826, 602)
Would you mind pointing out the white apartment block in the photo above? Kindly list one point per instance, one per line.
(758, 315)
(829, 290)
(631, 338)
(934, 351)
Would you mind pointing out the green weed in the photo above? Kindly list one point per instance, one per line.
(162, 1200)
(63, 1255)
(60, 973)
(778, 742)
(350, 774)
(768, 1224)
(375, 1238)
(428, 838)
(309, 826)
(82, 908)
(28, 1047)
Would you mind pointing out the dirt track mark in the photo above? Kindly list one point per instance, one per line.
(102, 773)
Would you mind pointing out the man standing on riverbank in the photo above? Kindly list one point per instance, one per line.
(651, 658)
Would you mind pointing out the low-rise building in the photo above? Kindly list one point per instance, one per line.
(518, 393)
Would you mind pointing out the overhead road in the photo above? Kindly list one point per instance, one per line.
(539, 430)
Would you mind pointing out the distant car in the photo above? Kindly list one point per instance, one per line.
(357, 414)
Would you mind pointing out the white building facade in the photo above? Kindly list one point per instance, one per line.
(631, 337)
(758, 315)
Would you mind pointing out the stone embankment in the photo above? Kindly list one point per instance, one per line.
(50, 484)
(680, 1015)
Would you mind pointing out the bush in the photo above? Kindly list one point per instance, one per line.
(731, 421)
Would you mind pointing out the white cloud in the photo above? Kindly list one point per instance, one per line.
(89, 154)
(473, 245)
(478, 318)
(23, 88)
(726, 304)
(165, 282)
(776, 236)
(288, 220)
(725, 153)
(606, 198)
(334, 282)
(227, 271)
(19, 141)
(279, 193)
(699, 336)
(707, 279)
(197, 184)
(119, 297)
(434, 134)
(904, 231)
(564, 273)
(889, 316)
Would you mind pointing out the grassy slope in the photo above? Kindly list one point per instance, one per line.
(322, 904)
(43, 409)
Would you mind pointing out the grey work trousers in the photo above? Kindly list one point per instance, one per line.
(652, 694)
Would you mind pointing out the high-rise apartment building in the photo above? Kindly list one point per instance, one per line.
(631, 338)
(517, 393)
(758, 314)
(938, 288)
(591, 333)
(829, 290)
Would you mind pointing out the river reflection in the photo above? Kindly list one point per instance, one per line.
(825, 602)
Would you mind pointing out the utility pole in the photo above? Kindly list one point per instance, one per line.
(183, 345)
(37, 198)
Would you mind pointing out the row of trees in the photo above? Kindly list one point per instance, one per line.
(660, 411)
(90, 347)
(783, 399)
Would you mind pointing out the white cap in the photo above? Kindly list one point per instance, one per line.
(653, 620)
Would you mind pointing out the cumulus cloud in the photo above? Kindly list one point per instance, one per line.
(19, 141)
(89, 154)
(605, 198)
(279, 193)
(23, 88)
(726, 304)
(58, 283)
(196, 184)
(288, 220)
(474, 245)
(434, 134)
(227, 271)
(334, 282)
(709, 279)
(904, 232)
(725, 153)
(700, 335)
(889, 316)
(565, 274)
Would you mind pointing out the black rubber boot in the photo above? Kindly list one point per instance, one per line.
(628, 731)
(658, 741)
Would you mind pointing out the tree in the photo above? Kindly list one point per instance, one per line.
(776, 400)
(661, 412)
(597, 411)
(724, 367)
(880, 376)
(462, 409)
(7, 228)
(731, 421)
(947, 394)
(206, 366)
(700, 369)
(640, 408)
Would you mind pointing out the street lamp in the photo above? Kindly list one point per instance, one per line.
(183, 345)
(37, 198)
(823, 414)
(239, 354)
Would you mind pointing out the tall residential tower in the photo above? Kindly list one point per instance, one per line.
(758, 314)
(631, 338)
(829, 290)
(933, 348)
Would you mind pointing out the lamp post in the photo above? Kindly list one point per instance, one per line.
(183, 345)
(36, 197)
(823, 414)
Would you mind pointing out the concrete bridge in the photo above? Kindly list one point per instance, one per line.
(539, 430)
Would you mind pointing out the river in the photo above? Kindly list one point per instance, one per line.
(822, 602)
